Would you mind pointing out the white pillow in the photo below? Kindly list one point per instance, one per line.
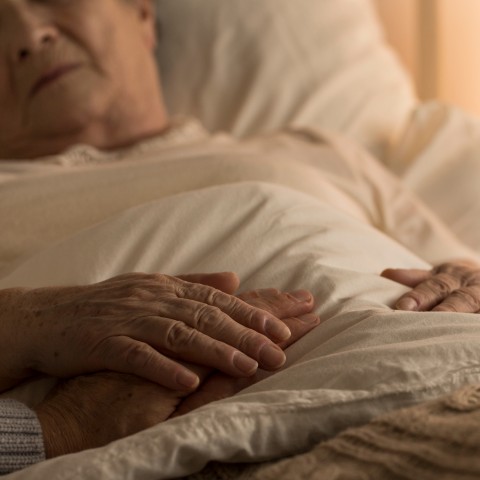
(251, 66)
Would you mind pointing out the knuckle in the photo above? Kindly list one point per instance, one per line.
(160, 279)
(473, 278)
(214, 297)
(249, 342)
(442, 284)
(205, 315)
(139, 355)
(222, 351)
(179, 336)
(134, 292)
(466, 296)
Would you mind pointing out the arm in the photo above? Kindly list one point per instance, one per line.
(138, 324)
(21, 440)
(93, 410)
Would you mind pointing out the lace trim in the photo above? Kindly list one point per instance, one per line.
(181, 131)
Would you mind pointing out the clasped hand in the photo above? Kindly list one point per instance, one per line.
(139, 324)
(92, 410)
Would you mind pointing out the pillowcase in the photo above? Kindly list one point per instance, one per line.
(250, 66)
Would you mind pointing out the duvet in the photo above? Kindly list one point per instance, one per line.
(302, 209)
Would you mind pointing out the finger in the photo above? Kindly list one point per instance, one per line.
(281, 304)
(227, 282)
(409, 277)
(429, 293)
(246, 315)
(217, 387)
(199, 333)
(465, 300)
(125, 355)
(299, 326)
(220, 386)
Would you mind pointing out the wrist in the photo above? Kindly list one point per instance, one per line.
(15, 363)
(62, 433)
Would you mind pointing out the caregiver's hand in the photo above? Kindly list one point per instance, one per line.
(92, 410)
(450, 287)
(138, 324)
(219, 386)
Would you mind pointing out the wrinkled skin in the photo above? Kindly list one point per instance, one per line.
(139, 324)
(92, 410)
(450, 287)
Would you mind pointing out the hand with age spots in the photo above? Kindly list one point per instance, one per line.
(450, 287)
(139, 324)
(92, 410)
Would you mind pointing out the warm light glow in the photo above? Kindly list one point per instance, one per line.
(400, 20)
(438, 41)
(459, 53)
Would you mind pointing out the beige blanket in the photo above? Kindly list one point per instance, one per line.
(49, 200)
(212, 204)
(437, 440)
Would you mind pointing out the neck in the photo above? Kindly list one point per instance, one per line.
(124, 125)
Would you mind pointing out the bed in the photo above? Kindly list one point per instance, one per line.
(290, 65)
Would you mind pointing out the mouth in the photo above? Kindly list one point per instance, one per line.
(51, 76)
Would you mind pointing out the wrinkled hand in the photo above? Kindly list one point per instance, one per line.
(138, 324)
(450, 287)
(93, 410)
(218, 385)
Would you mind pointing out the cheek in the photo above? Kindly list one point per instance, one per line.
(98, 40)
(9, 111)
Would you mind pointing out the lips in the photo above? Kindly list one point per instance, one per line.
(51, 76)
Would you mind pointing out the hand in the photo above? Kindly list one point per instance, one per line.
(138, 324)
(450, 287)
(218, 385)
(93, 410)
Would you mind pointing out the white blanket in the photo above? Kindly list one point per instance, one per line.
(213, 211)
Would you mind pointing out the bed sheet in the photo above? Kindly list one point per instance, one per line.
(438, 157)
(363, 360)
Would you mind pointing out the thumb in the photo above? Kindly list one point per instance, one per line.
(409, 277)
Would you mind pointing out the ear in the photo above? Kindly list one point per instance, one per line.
(146, 16)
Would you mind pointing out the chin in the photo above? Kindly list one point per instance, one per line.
(66, 115)
(71, 104)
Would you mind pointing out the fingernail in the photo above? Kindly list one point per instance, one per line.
(272, 357)
(278, 330)
(302, 295)
(187, 379)
(310, 318)
(407, 304)
(245, 364)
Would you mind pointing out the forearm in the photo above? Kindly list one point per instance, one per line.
(14, 366)
(21, 439)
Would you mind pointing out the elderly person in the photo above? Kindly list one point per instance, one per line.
(92, 51)
(83, 72)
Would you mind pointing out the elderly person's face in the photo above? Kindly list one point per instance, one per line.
(76, 71)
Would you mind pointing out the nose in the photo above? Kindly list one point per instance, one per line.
(31, 35)
(26, 49)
